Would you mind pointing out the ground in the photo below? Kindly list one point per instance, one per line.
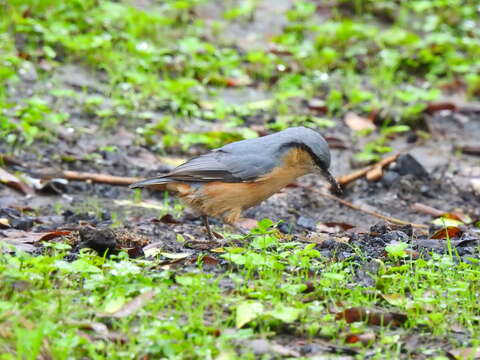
(134, 88)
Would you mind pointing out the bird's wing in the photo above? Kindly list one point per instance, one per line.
(224, 165)
(203, 168)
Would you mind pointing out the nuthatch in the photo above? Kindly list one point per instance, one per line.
(237, 176)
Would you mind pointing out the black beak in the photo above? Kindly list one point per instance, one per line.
(336, 188)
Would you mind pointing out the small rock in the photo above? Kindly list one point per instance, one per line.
(259, 346)
(28, 72)
(407, 229)
(24, 223)
(307, 222)
(327, 244)
(100, 240)
(425, 189)
(286, 228)
(378, 241)
(475, 186)
(389, 178)
(380, 228)
(395, 236)
(412, 137)
(407, 164)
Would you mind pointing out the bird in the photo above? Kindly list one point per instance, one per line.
(225, 181)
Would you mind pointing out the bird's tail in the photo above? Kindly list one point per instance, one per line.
(154, 182)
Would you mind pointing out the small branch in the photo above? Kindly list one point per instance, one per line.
(425, 209)
(346, 179)
(470, 149)
(98, 178)
(369, 212)
(9, 160)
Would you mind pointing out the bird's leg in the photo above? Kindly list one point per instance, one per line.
(207, 226)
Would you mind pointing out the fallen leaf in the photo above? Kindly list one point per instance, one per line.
(448, 232)
(341, 225)
(433, 107)
(13, 182)
(209, 260)
(335, 143)
(470, 149)
(132, 306)
(447, 222)
(358, 123)
(238, 81)
(317, 105)
(169, 219)
(247, 311)
(371, 316)
(465, 353)
(24, 240)
(286, 314)
(458, 215)
(395, 299)
(175, 256)
(366, 338)
(54, 234)
(4, 222)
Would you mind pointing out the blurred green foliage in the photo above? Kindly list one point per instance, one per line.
(386, 56)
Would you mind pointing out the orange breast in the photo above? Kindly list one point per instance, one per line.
(227, 200)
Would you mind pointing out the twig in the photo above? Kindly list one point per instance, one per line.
(369, 212)
(98, 178)
(470, 149)
(9, 160)
(425, 209)
(346, 179)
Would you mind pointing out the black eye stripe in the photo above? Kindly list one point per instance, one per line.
(306, 148)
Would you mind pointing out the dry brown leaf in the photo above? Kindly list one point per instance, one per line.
(447, 232)
(358, 123)
(371, 316)
(13, 182)
(132, 306)
(433, 107)
(210, 260)
(24, 240)
(341, 225)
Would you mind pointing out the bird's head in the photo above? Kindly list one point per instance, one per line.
(314, 143)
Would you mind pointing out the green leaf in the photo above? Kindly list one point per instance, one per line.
(113, 304)
(286, 314)
(247, 311)
(396, 250)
